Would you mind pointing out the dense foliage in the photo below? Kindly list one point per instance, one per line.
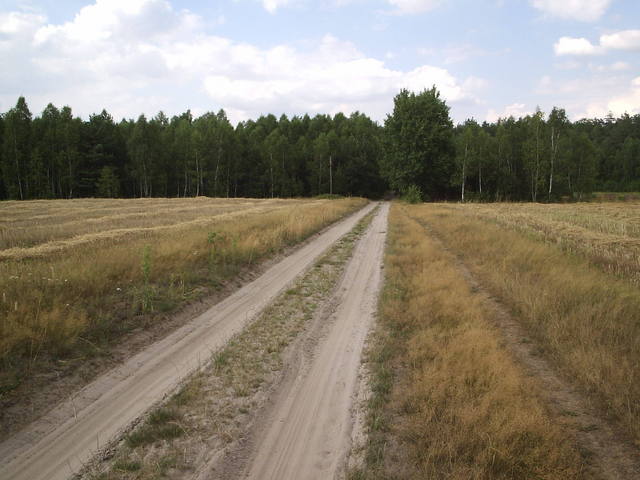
(58, 155)
(537, 157)
(418, 144)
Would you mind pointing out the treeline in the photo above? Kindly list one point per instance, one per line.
(57, 155)
(540, 158)
(534, 158)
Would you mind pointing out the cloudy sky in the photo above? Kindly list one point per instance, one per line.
(489, 58)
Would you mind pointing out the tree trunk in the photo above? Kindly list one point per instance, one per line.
(330, 175)
(215, 176)
(197, 175)
(271, 170)
(554, 151)
(464, 164)
(15, 156)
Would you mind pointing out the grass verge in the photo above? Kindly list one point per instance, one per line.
(212, 408)
(447, 400)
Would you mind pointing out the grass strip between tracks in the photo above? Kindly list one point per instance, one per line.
(213, 408)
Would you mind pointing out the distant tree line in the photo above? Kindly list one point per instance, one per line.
(540, 158)
(57, 155)
(536, 157)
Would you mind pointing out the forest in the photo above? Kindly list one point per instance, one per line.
(535, 158)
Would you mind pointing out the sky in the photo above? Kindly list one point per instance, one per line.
(488, 58)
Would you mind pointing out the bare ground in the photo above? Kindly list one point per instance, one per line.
(306, 430)
(609, 452)
(61, 441)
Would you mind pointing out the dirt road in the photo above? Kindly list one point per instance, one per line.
(307, 432)
(57, 445)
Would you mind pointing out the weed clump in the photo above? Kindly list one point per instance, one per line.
(412, 194)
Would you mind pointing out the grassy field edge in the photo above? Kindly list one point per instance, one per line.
(447, 400)
(62, 317)
(584, 320)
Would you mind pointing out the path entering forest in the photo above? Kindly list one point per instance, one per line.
(58, 444)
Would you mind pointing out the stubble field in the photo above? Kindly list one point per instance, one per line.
(76, 275)
(508, 344)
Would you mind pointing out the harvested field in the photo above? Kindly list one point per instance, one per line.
(608, 234)
(448, 400)
(39, 228)
(78, 274)
(584, 320)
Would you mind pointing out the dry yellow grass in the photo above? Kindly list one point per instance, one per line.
(217, 405)
(448, 401)
(608, 234)
(583, 319)
(46, 226)
(90, 292)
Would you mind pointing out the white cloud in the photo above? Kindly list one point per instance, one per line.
(407, 7)
(134, 56)
(575, 46)
(591, 96)
(515, 110)
(624, 40)
(582, 10)
(625, 102)
(400, 7)
(272, 5)
(613, 67)
(334, 75)
(569, 65)
(460, 53)
(15, 23)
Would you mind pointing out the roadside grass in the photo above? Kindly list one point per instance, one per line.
(447, 399)
(70, 305)
(583, 319)
(607, 234)
(212, 408)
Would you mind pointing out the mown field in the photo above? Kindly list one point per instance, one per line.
(76, 275)
(608, 234)
(449, 398)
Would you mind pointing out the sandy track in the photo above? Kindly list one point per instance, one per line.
(62, 441)
(307, 433)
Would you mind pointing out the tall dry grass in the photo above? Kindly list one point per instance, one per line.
(448, 400)
(608, 234)
(585, 320)
(70, 302)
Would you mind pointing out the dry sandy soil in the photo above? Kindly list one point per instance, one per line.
(306, 432)
(66, 438)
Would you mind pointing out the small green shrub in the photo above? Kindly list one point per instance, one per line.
(412, 194)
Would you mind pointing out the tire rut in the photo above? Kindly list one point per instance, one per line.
(306, 430)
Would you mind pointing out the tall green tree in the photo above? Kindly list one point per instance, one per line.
(418, 143)
(16, 150)
(557, 128)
